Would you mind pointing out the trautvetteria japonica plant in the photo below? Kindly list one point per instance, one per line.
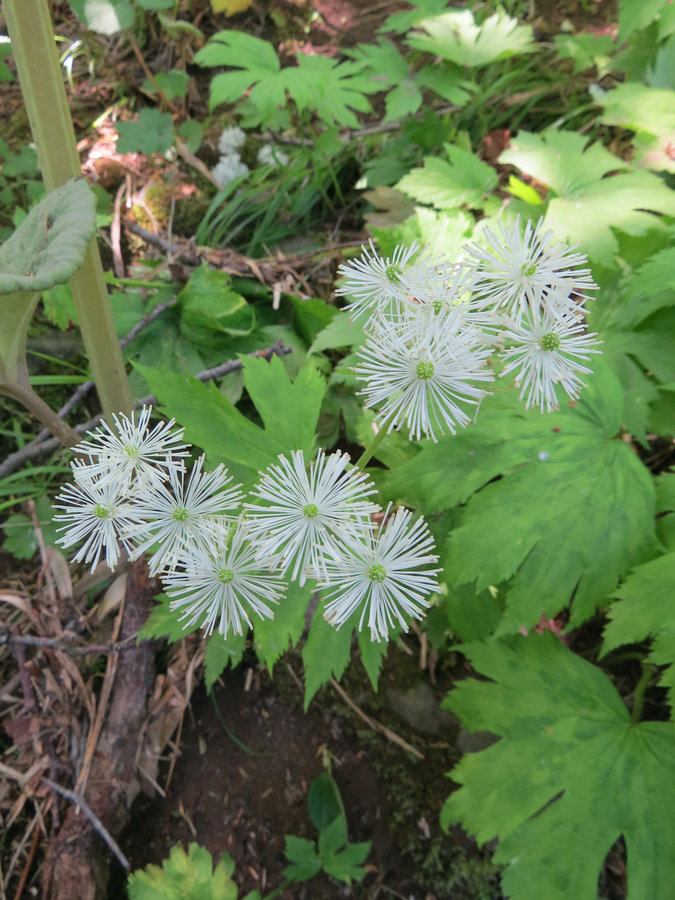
(436, 334)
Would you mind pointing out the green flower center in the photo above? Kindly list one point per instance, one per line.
(180, 514)
(550, 341)
(437, 307)
(225, 576)
(424, 370)
(311, 511)
(377, 573)
(393, 272)
(528, 269)
(101, 512)
(131, 451)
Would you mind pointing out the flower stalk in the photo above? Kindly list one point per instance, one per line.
(31, 33)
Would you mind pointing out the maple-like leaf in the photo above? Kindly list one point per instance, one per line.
(570, 774)
(462, 180)
(572, 512)
(456, 36)
(586, 201)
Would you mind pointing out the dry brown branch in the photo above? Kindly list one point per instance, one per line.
(376, 726)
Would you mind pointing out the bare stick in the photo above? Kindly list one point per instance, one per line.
(376, 726)
(97, 825)
(64, 644)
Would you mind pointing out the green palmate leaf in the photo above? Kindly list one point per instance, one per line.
(51, 243)
(259, 71)
(650, 111)
(463, 181)
(220, 653)
(570, 775)
(646, 609)
(272, 637)
(586, 202)
(572, 513)
(289, 410)
(184, 875)
(634, 16)
(346, 865)
(456, 36)
(301, 853)
(214, 424)
(325, 655)
(211, 312)
(330, 88)
(151, 133)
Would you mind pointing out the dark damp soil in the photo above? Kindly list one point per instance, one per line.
(249, 753)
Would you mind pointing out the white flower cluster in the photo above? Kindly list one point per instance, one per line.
(435, 332)
(230, 164)
(221, 559)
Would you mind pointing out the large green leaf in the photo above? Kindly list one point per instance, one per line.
(463, 181)
(456, 36)
(51, 242)
(257, 65)
(570, 775)
(650, 111)
(214, 424)
(646, 608)
(586, 202)
(572, 512)
(289, 410)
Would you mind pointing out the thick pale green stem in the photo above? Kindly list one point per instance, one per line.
(30, 30)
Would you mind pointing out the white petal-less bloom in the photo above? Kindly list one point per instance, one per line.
(385, 575)
(269, 155)
(132, 448)
(221, 583)
(378, 284)
(518, 272)
(99, 512)
(421, 371)
(228, 167)
(545, 350)
(183, 512)
(302, 512)
(231, 139)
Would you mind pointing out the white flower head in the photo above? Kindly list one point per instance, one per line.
(521, 273)
(231, 139)
(228, 168)
(545, 350)
(183, 513)
(100, 512)
(221, 582)
(131, 448)
(385, 575)
(421, 372)
(302, 512)
(378, 284)
(269, 155)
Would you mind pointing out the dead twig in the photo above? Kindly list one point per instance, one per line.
(376, 726)
(62, 643)
(96, 823)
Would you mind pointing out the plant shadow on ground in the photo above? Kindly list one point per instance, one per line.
(241, 780)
